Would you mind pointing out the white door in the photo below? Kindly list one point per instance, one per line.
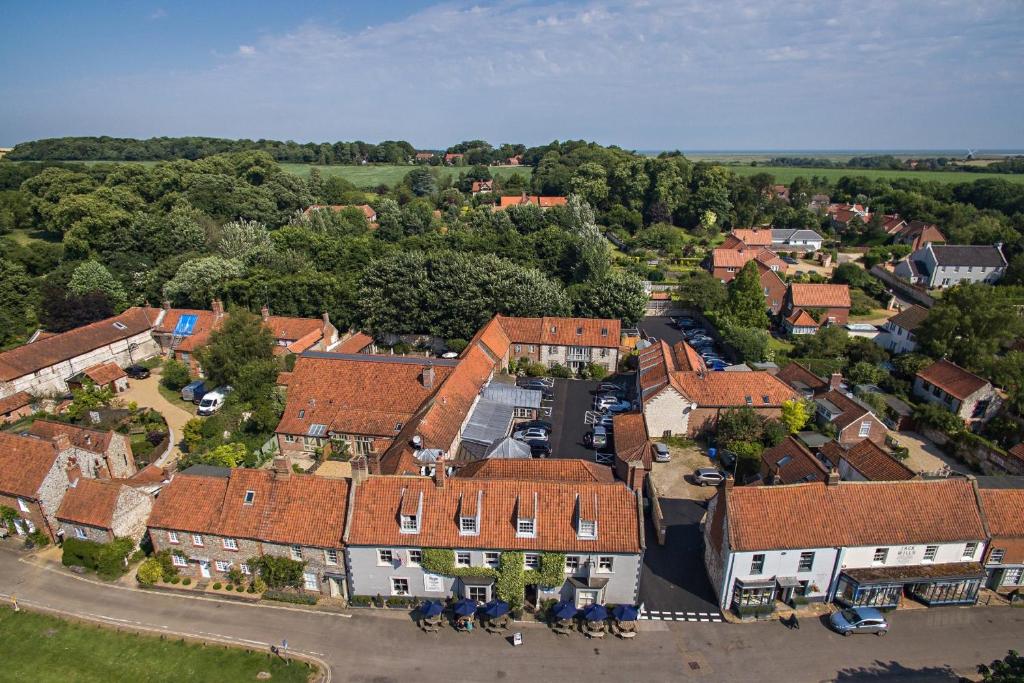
(334, 583)
(204, 568)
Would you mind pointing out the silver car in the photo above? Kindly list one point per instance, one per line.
(859, 620)
(661, 453)
(705, 476)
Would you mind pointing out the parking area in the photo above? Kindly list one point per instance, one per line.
(665, 328)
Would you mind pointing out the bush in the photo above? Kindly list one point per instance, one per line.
(360, 600)
(559, 370)
(258, 584)
(175, 580)
(287, 596)
(138, 556)
(400, 602)
(175, 375)
(533, 369)
(596, 371)
(150, 572)
(456, 345)
(186, 581)
(250, 589)
(37, 539)
(217, 586)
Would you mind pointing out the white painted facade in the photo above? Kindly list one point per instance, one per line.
(667, 413)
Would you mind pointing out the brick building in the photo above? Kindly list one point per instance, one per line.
(115, 449)
(100, 510)
(853, 421)
(830, 302)
(969, 397)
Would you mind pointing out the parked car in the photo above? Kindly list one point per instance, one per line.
(193, 391)
(727, 459)
(531, 434)
(790, 260)
(598, 438)
(534, 424)
(859, 620)
(537, 385)
(137, 372)
(539, 449)
(708, 475)
(620, 407)
(212, 402)
(686, 323)
(661, 453)
(609, 386)
(601, 403)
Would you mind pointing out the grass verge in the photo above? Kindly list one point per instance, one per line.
(45, 649)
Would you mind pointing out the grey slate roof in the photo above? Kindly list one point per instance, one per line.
(509, 448)
(788, 235)
(488, 422)
(511, 395)
(968, 255)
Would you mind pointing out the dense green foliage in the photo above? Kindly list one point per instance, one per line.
(106, 559)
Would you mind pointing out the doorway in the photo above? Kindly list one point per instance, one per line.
(334, 586)
(204, 568)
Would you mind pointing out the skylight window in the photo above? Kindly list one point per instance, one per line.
(784, 460)
(765, 400)
(749, 400)
(317, 429)
(120, 325)
(250, 496)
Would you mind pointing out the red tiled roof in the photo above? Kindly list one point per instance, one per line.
(493, 336)
(910, 318)
(443, 419)
(205, 320)
(801, 318)
(296, 510)
(631, 441)
(792, 463)
(520, 200)
(367, 210)
(150, 474)
(292, 329)
(687, 358)
(870, 460)
(375, 520)
(852, 514)
(795, 373)
(373, 395)
(24, 464)
(820, 295)
(354, 344)
(537, 470)
(563, 331)
(952, 379)
(851, 409)
(753, 237)
(42, 353)
(1002, 508)
(14, 401)
(91, 440)
(90, 502)
(1017, 452)
(731, 389)
(104, 373)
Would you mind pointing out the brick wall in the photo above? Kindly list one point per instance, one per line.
(34, 513)
(92, 533)
(851, 433)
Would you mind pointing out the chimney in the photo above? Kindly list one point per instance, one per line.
(728, 482)
(218, 308)
(360, 470)
(327, 318)
(427, 377)
(62, 442)
(833, 477)
(835, 381)
(165, 304)
(282, 468)
(439, 475)
(265, 312)
(74, 472)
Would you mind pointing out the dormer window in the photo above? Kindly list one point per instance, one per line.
(765, 400)
(526, 527)
(302, 414)
(410, 523)
(579, 331)
(553, 329)
(526, 515)
(469, 513)
(588, 528)
(604, 331)
(467, 525)
(410, 511)
(586, 516)
(749, 400)
(250, 496)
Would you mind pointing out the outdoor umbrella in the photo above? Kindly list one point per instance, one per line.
(431, 609)
(465, 607)
(595, 612)
(564, 610)
(625, 612)
(495, 609)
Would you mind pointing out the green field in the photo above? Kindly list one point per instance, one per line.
(44, 649)
(786, 174)
(373, 175)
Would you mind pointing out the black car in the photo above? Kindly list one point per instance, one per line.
(726, 459)
(137, 372)
(535, 424)
(538, 448)
(546, 392)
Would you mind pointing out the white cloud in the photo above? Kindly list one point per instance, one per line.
(246, 50)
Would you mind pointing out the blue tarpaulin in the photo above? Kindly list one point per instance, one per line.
(564, 610)
(595, 612)
(186, 324)
(625, 612)
(495, 609)
(430, 609)
(465, 607)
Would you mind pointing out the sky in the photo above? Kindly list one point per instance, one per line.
(647, 74)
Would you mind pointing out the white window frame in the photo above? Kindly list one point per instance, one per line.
(250, 496)
(757, 564)
(572, 563)
(80, 533)
(409, 524)
(531, 561)
(467, 526)
(395, 585)
(996, 556)
(463, 558)
(197, 540)
(605, 564)
(330, 556)
(310, 582)
(587, 528)
(930, 551)
(809, 556)
(492, 558)
(478, 593)
(22, 505)
(970, 550)
(172, 537)
(179, 561)
(244, 568)
(865, 429)
(229, 543)
(417, 560)
(880, 556)
(296, 553)
(222, 566)
(526, 527)
(385, 556)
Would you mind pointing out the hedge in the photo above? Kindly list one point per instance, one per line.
(360, 600)
(295, 598)
(106, 559)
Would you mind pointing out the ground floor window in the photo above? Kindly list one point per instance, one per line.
(478, 593)
(584, 598)
(179, 561)
(223, 566)
(309, 580)
(874, 595)
(752, 596)
(1013, 576)
(399, 586)
(80, 532)
(952, 592)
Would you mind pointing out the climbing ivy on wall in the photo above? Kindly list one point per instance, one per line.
(511, 578)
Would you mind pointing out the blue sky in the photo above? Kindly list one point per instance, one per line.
(648, 74)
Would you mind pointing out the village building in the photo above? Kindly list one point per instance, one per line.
(865, 461)
(525, 199)
(898, 331)
(15, 407)
(938, 266)
(830, 303)
(101, 376)
(482, 186)
(1001, 500)
(595, 529)
(724, 264)
(969, 397)
(874, 544)
(805, 382)
(791, 462)
(101, 511)
(43, 366)
(571, 342)
(774, 288)
(852, 420)
(633, 459)
(791, 239)
(114, 448)
(918, 234)
(214, 520)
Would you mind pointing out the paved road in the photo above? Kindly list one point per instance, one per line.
(923, 645)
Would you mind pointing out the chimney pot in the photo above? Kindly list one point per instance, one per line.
(282, 468)
(833, 477)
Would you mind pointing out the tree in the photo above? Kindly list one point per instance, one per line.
(864, 373)
(795, 414)
(746, 298)
(740, 424)
(226, 455)
(970, 322)
(91, 277)
(60, 312)
(244, 241)
(701, 290)
(1010, 669)
(240, 343)
(619, 295)
(175, 375)
(15, 302)
(421, 181)
(590, 181)
(198, 281)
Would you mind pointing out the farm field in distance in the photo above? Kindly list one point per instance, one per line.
(786, 174)
(372, 175)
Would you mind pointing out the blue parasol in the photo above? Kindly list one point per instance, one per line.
(564, 610)
(430, 609)
(625, 612)
(595, 612)
(495, 609)
(465, 607)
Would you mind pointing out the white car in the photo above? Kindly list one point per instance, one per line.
(531, 434)
(602, 403)
(212, 402)
(619, 407)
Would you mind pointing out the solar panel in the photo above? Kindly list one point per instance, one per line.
(317, 429)
(186, 324)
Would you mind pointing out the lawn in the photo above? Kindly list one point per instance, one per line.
(45, 649)
(786, 174)
(372, 175)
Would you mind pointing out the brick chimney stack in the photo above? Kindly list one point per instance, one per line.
(165, 304)
(360, 470)
(265, 312)
(835, 381)
(833, 477)
(62, 442)
(439, 475)
(218, 308)
(282, 468)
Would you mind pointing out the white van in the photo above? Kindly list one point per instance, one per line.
(211, 403)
